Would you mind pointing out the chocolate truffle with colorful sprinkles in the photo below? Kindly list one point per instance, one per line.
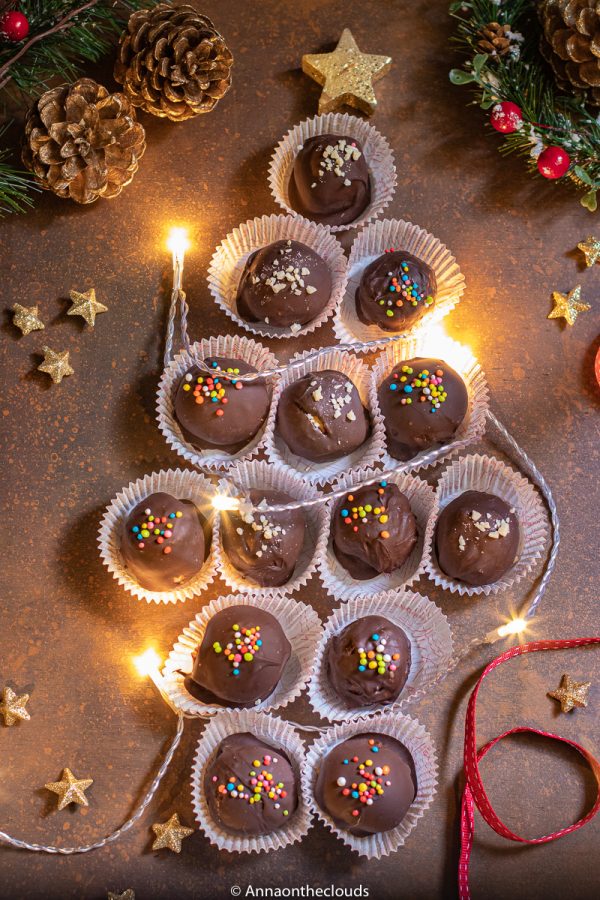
(163, 543)
(395, 291)
(251, 787)
(241, 658)
(423, 403)
(373, 530)
(366, 783)
(368, 662)
(330, 181)
(221, 412)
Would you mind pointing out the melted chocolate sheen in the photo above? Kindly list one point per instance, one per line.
(374, 286)
(367, 688)
(465, 551)
(307, 422)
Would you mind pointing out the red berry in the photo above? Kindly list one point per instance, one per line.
(14, 25)
(553, 162)
(506, 117)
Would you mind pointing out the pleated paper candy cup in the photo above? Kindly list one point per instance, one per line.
(491, 476)
(242, 478)
(302, 628)
(423, 503)
(368, 454)
(223, 346)
(400, 235)
(436, 345)
(378, 156)
(184, 485)
(281, 736)
(417, 741)
(431, 646)
(229, 259)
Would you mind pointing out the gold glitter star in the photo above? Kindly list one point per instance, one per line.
(27, 319)
(571, 693)
(129, 894)
(13, 707)
(347, 75)
(56, 365)
(590, 249)
(86, 306)
(70, 789)
(171, 834)
(568, 306)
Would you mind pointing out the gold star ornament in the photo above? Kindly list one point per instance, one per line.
(568, 306)
(347, 75)
(56, 365)
(27, 318)
(86, 306)
(13, 707)
(70, 789)
(170, 835)
(571, 693)
(590, 249)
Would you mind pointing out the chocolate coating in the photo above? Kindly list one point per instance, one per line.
(233, 764)
(413, 427)
(350, 671)
(214, 673)
(264, 546)
(285, 283)
(395, 292)
(477, 538)
(398, 785)
(330, 181)
(367, 552)
(164, 561)
(223, 426)
(321, 417)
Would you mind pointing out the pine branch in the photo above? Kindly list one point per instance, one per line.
(15, 186)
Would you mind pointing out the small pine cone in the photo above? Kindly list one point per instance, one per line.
(173, 62)
(494, 39)
(82, 142)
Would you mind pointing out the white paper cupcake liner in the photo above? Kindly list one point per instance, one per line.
(261, 474)
(184, 485)
(229, 260)
(378, 156)
(368, 454)
(417, 741)
(372, 243)
(302, 628)
(491, 476)
(227, 346)
(462, 361)
(272, 731)
(423, 623)
(423, 503)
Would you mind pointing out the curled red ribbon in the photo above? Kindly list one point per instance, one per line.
(474, 793)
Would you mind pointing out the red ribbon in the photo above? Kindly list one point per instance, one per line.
(474, 793)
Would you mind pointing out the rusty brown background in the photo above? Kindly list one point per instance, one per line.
(68, 632)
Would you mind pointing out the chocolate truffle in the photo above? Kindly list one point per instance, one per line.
(285, 284)
(368, 661)
(241, 658)
(321, 417)
(374, 530)
(367, 784)
(330, 181)
(163, 542)
(477, 538)
(221, 413)
(423, 403)
(251, 787)
(395, 291)
(264, 546)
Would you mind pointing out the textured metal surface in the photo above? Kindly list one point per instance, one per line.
(67, 632)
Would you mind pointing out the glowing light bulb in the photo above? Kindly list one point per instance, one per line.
(224, 503)
(515, 626)
(439, 345)
(178, 243)
(148, 663)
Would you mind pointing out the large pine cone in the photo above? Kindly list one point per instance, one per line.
(172, 62)
(82, 142)
(571, 44)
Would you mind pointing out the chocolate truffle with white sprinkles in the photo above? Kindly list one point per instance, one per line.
(396, 290)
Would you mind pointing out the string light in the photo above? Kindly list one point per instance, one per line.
(224, 503)
(148, 663)
(515, 626)
(178, 243)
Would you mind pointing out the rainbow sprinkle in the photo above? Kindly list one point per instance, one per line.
(376, 660)
(355, 515)
(261, 785)
(156, 529)
(429, 384)
(405, 290)
(243, 648)
(372, 781)
(208, 389)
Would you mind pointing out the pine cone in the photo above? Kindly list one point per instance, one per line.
(493, 39)
(172, 62)
(571, 44)
(82, 142)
